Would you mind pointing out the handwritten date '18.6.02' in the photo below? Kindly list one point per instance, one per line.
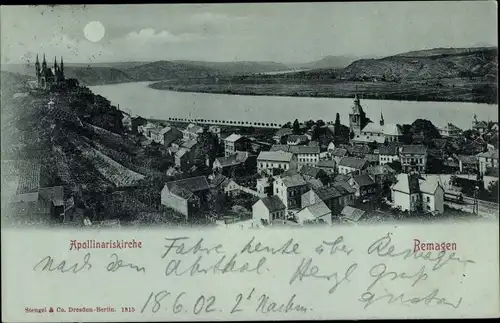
(183, 303)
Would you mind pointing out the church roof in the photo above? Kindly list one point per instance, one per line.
(386, 129)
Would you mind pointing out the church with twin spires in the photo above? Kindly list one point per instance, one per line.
(46, 76)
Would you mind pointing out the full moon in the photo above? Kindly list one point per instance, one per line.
(94, 31)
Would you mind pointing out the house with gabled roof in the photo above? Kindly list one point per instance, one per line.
(413, 158)
(268, 209)
(290, 189)
(348, 165)
(335, 196)
(192, 132)
(352, 214)
(415, 193)
(235, 163)
(185, 196)
(234, 143)
(311, 172)
(281, 133)
(269, 160)
(314, 214)
(487, 160)
(363, 184)
(388, 154)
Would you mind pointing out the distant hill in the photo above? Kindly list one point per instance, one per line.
(441, 74)
(243, 67)
(326, 62)
(162, 70)
(426, 65)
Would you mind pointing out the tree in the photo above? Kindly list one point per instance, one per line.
(426, 127)
(337, 125)
(406, 134)
(320, 123)
(296, 127)
(309, 124)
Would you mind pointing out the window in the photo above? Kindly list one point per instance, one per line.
(428, 199)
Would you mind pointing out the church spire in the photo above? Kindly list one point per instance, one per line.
(44, 63)
(381, 119)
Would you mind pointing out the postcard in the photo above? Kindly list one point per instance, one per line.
(249, 161)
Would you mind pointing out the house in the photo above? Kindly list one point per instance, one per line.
(234, 143)
(348, 165)
(215, 130)
(306, 155)
(329, 166)
(192, 132)
(127, 121)
(432, 194)
(145, 129)
(352, 214)
(494, 127)
(479, 126)
(359, 150)
(268, 160)
(487, 160)
(232, 163)
(467, 164)
(331, 147)
(264, 185)
(314, 213)
(314, 183)
(281, 134)
(182, 158)
(338, 154)
(413, 158)
(364, 185)
(267, 209)
(413, 193)
(297, 140)
(135, 122)
(290, 189)
(335, 196)
(311, 172)
(387, 154)
(168, 135)
(155, 134)
(372, 159)
(450, 130)
(382, 174)
(31, 199)
(185, 196)
(231, 188)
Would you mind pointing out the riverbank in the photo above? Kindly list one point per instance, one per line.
(444, 91)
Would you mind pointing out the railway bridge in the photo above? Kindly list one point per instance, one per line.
(234, 123)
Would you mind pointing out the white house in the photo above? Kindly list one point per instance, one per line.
(450, 130)
(405, 193)
(315, 213)
(413, 193)
(413, 158)
(387, 154)
(306, 155)
(348, 165)
(290, 189)
(432, 194)
(486, 160)
(268, 160)
(267, 209)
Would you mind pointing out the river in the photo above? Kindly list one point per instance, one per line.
(139, 99)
